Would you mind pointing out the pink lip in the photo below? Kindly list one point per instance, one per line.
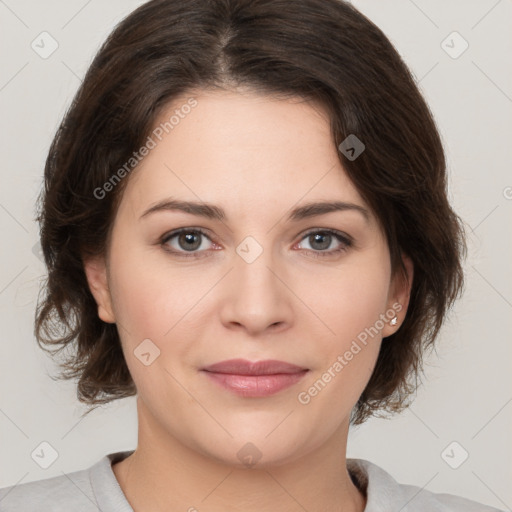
(259, 379)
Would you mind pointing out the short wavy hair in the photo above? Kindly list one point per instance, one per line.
(324, 51)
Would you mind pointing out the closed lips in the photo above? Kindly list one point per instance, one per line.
(245, 367)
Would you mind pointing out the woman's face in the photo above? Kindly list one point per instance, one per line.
(257, 285)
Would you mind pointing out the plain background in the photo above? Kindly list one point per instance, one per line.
(466, 395)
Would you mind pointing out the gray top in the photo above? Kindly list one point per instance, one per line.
(96, 490)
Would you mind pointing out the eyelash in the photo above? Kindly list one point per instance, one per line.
(344, 239)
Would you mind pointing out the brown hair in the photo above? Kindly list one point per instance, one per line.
(324, 51)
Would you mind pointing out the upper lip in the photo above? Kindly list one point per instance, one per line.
(245, 367)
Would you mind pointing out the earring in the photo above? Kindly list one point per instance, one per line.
(394, 321)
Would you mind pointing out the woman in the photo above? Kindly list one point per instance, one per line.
(245, 223)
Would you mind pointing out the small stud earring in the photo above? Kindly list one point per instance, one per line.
(394, 321)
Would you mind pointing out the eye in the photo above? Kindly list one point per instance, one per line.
(321, 240)
(189, 242)
(186, 242)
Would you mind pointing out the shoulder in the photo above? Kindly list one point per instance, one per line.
(385, 493)
(57, 494)
(89, 490)
(442, 502)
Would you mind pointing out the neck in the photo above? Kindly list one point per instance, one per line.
(164, 474)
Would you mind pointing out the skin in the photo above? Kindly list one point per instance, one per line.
(257, 158)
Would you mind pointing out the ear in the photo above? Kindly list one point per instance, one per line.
(399, 295)
(96, 273)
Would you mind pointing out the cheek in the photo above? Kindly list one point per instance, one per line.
(350, 302)
(153, 304)
(150, 299)
(349, 299)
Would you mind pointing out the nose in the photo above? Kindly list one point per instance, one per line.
(257, 297)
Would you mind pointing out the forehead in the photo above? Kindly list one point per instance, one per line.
(244, 151)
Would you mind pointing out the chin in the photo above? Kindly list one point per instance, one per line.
(255, 450)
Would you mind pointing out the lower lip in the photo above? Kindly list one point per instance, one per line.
(256, 385)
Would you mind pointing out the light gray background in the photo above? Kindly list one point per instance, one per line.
(467, 392)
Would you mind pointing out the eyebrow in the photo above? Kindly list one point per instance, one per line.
(214, 212)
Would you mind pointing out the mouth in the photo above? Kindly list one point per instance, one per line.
(254, 379)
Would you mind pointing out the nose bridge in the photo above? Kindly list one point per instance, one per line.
(254, 272)
(257, 297)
